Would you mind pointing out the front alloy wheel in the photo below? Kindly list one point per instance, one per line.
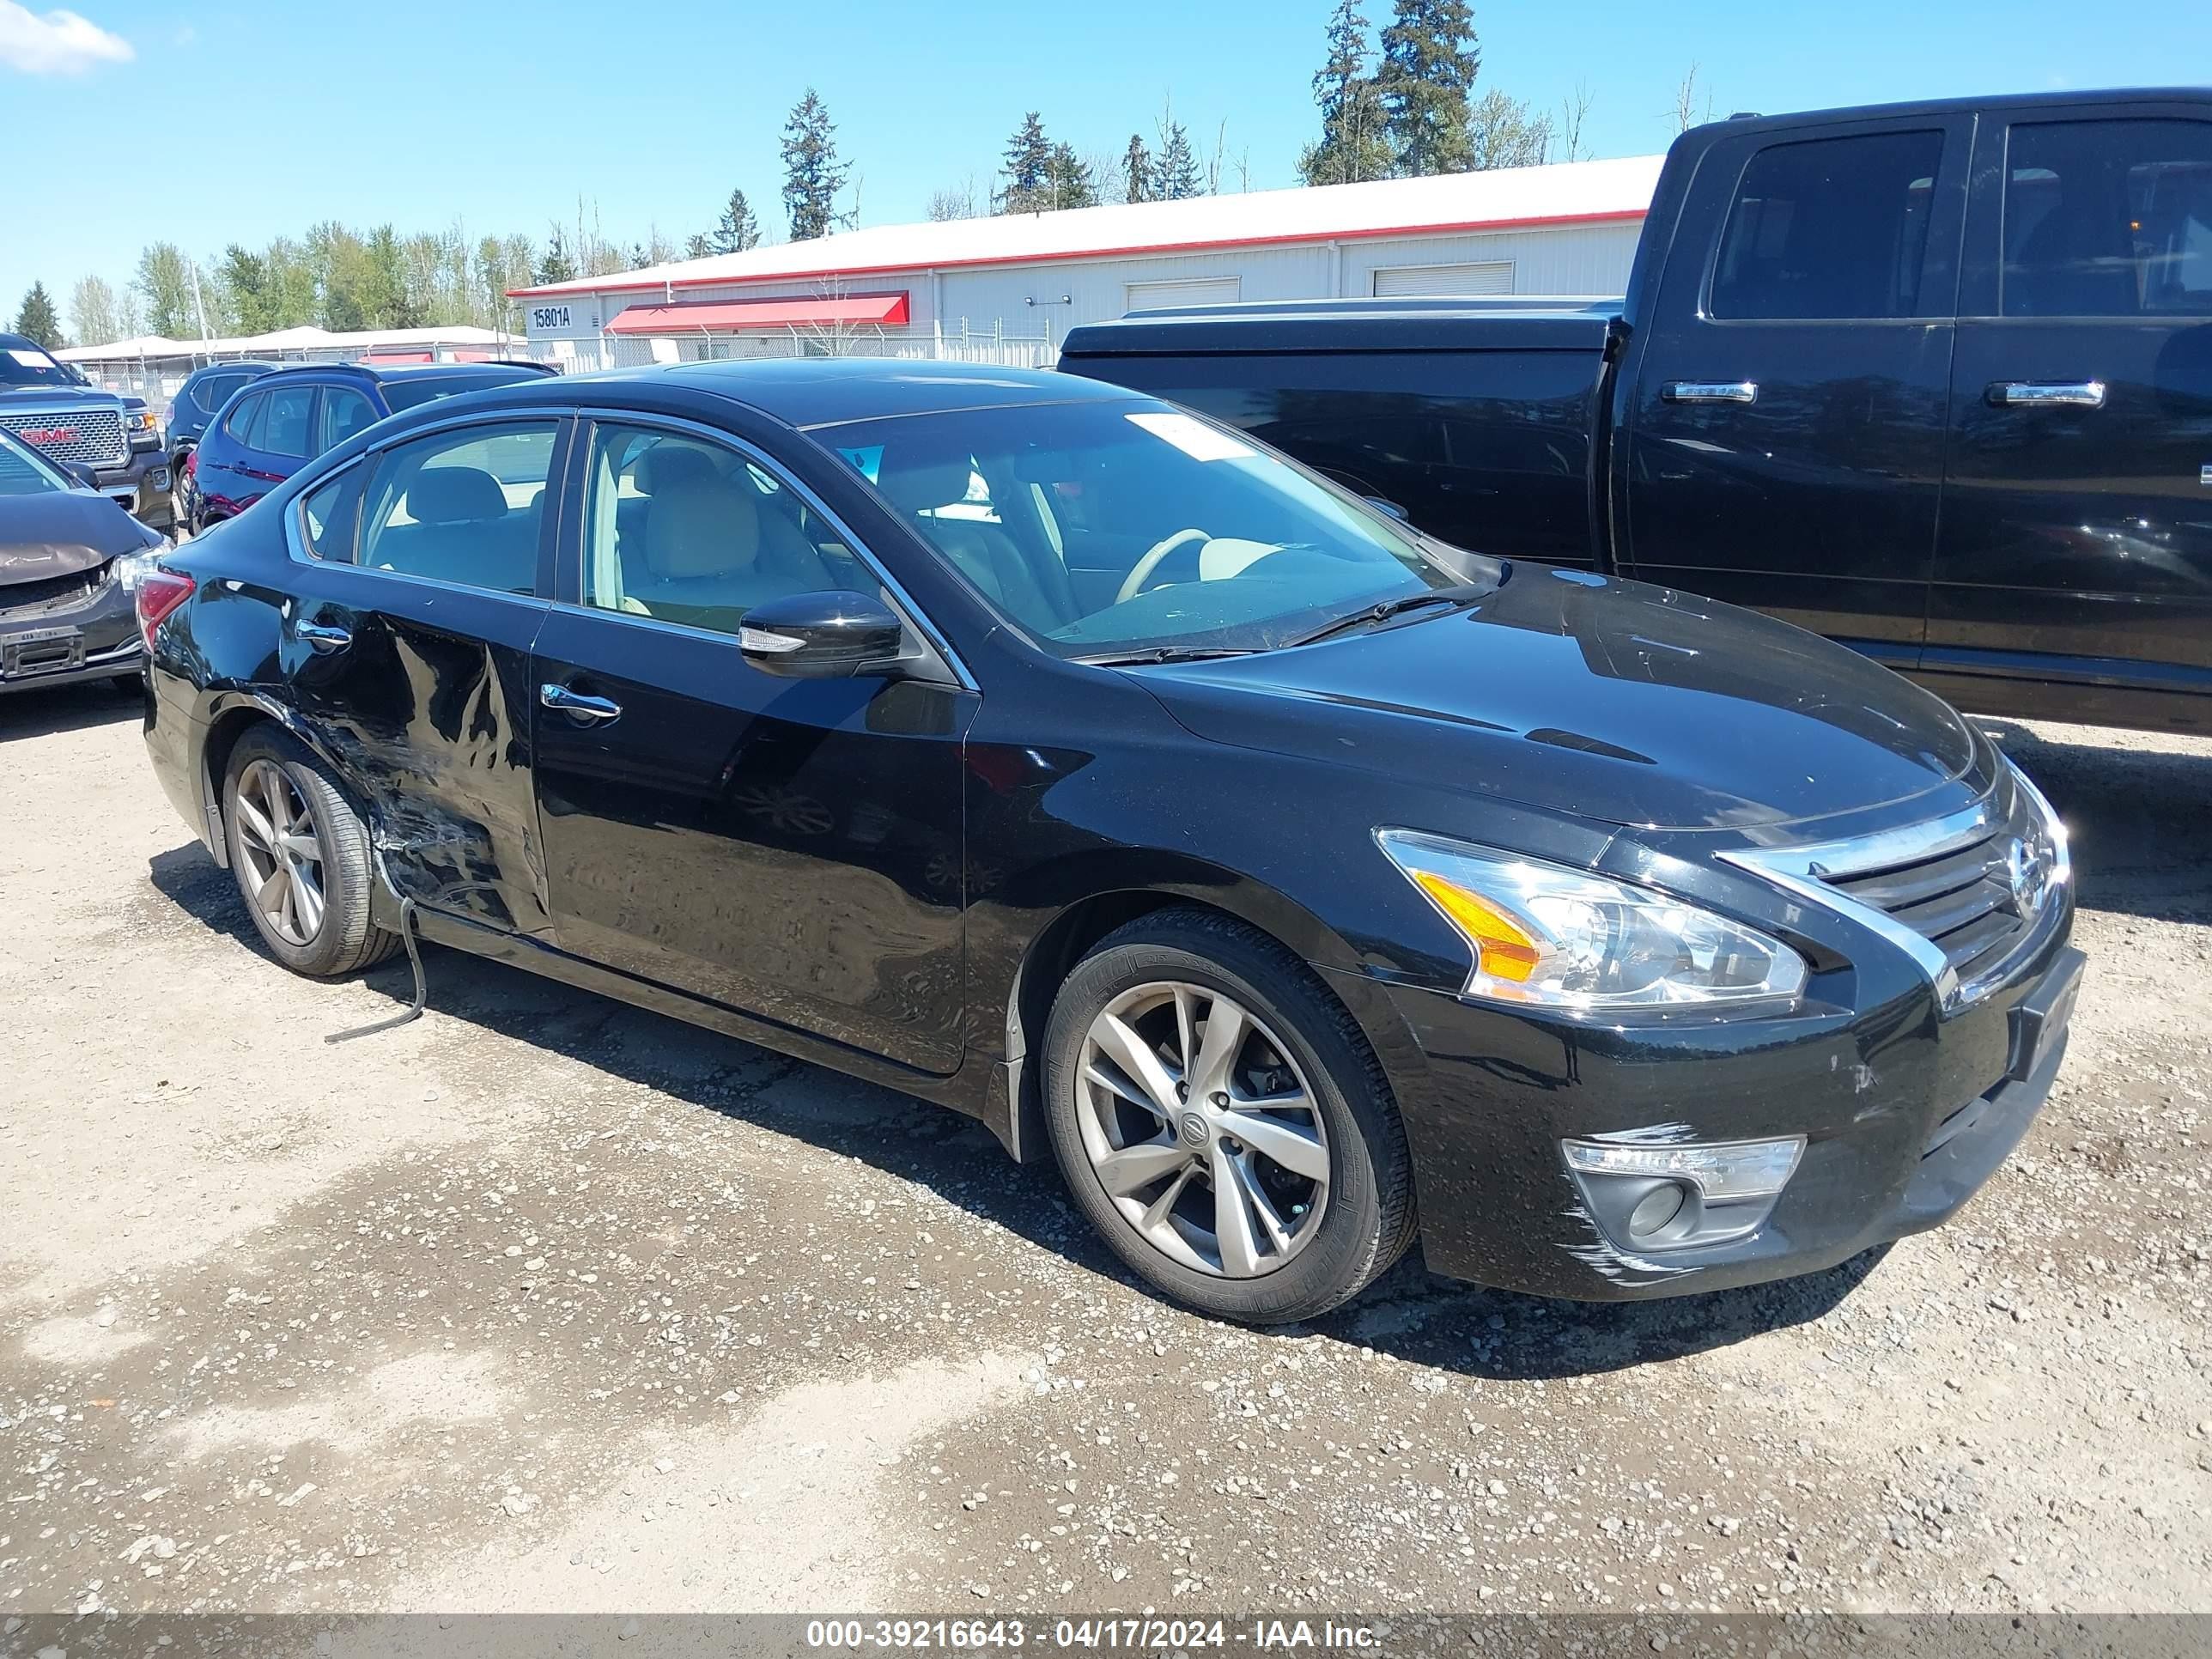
(1221, 1118)
(1202, 1130)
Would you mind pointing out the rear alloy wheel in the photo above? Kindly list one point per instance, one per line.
(280, 870)
(1219, 1117)
(299, 854)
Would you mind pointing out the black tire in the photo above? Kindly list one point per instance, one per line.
(1368, 1219)
(346, 940)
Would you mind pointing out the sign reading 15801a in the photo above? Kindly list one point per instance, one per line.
(548, 316)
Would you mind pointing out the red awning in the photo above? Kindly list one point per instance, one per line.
(787, 311)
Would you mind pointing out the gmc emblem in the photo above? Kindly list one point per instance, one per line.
(47, 435)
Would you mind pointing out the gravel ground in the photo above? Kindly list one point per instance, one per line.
(545, 1304)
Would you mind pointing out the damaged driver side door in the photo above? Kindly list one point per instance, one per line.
(424, 567)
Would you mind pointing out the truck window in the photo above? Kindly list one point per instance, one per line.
(1829, 229)
(2108, 219)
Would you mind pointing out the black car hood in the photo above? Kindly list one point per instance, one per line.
(61, 533)
(1609, 701)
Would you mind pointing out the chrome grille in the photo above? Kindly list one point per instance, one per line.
(94, 436)
(1963, 903)
(1966, 895)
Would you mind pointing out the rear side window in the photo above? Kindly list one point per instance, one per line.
(2108, 219)
(461, 506)
(1829, 229)
(328, 514)
(284, 427)
(345, 412)
(240, 423)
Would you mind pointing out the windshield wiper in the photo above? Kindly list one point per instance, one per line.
(1156, 653)
(1456, 593)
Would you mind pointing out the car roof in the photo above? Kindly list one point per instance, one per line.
(807, 392)
(388, 373)
(233, 364)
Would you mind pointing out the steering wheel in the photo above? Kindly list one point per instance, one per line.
(1134, 583)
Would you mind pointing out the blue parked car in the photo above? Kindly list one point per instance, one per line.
(276, 424)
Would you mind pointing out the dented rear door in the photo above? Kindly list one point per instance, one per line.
(409, 651)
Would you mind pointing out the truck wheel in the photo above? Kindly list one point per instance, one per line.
(1220, 1118)
(300, 855)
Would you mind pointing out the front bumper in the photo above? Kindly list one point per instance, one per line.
(93, 638)
(1904, 1114)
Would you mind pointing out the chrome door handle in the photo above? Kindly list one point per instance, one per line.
(321, 637)
(2049, 394)
(1711, 391)
(576, 703)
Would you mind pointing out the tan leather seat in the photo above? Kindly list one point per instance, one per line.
(711, 552)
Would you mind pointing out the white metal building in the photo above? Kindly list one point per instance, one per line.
(154, 366)
(1007, 289)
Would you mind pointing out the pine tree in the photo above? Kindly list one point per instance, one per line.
(1430, 60)
(557, 267)
(1354, 145)
(1028, 168)
(697, 245)
(1137, 170)
(739, 230)
(1069, 183)
(37, 320)
(1174, 172)
(812, 174)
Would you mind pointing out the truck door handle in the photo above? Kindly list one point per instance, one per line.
(1711, 391)
(2049, 394)
(576, 703)
(323, 637)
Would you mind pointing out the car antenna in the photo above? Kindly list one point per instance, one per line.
(422, 994)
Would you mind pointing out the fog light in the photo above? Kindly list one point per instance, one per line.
(1656, 1208)
(1650, 1196)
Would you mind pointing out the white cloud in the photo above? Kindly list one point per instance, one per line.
(60, 43)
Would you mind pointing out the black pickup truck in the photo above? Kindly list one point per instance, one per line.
(1934, 379)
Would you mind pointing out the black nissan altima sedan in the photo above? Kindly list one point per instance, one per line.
(1303, 887)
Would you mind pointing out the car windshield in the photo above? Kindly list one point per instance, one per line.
(30, 366)
(22, 473)
(1118, 528)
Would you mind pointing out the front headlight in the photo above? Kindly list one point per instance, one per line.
(141, 422)
(1557, 938)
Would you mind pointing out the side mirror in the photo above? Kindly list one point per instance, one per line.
(80, 475)
(821, 636)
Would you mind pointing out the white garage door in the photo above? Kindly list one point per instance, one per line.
(1494, 276)
(1194, 291)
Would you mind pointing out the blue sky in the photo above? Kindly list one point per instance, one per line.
(209, 123)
